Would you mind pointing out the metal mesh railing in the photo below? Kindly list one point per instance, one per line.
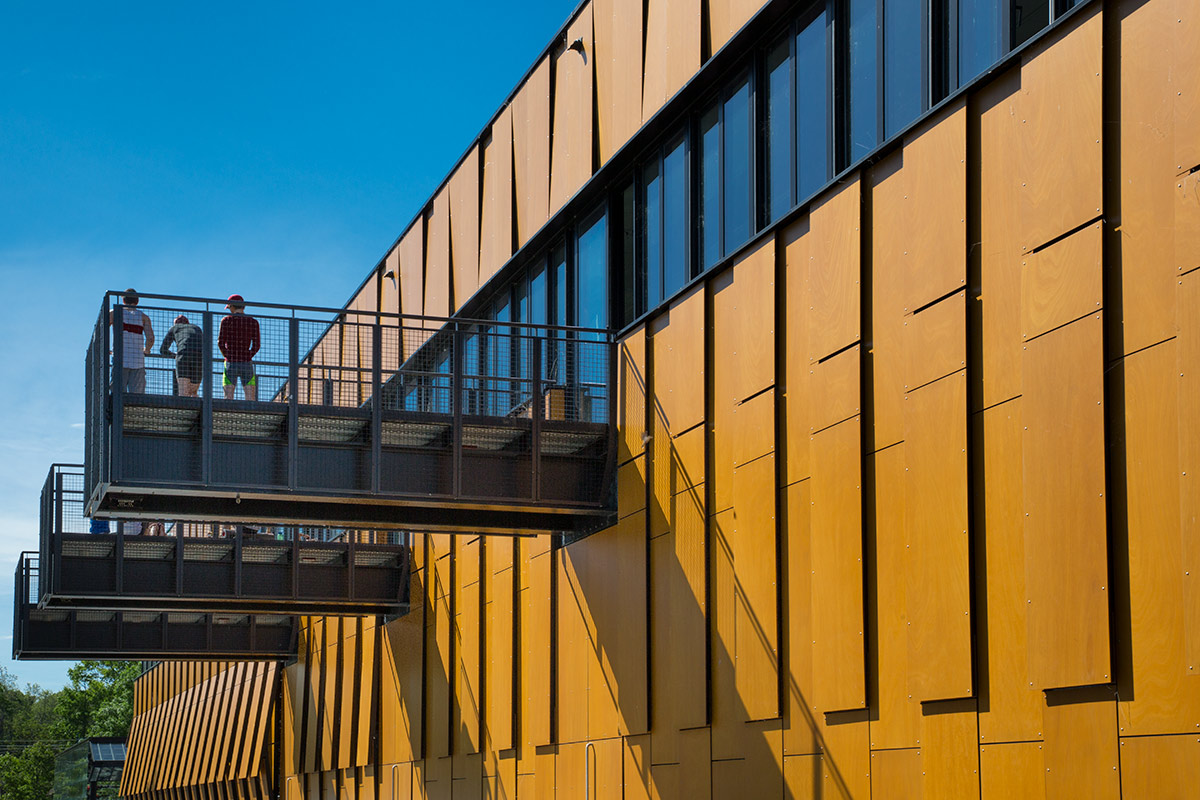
(346, 402)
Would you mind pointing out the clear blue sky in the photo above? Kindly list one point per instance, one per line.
(270, 149)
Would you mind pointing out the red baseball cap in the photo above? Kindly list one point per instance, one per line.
(234, 300)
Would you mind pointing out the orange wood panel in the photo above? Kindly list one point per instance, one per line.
(795, 241)
(400, 681)
(801, 729)
(727, 714)
(1012, 770)
(752, 430)
(832, 279)
(1162, 767)
(1011, 708)
(618, 28)
(1186, 82)
(896, 774)
(756, 623)
(1187, 222)
(531, 151)
(679, 365)
(467, 775)
(496, 227)
(896, 715)
(571, 645)
(672, 50)
(1081, 744)
(1065, 507)
(1060, 133)
(574, 104)
(888, 358)
(950, 749)
(934, 205)
(833, 392)
(501, 784)
(438, 674)
(463, 186)
(412, 269)
(437, 256)
(935, 340)
(347, 653)
(1164, 696)
(500, 666)
(845, 757)
(367, 698)
(759, 773)
(631, 487)
(330, 718)
(466, 704)
(1062, 283)
(1145, 244)
(939, 553)
(837, 569)
(636, 769)
(802, 778)
(678, 622)
(1189, 460)
(726, 17)
(998, 303)
(616, 592)
(744, 323)
(534, 637)
(631, 395)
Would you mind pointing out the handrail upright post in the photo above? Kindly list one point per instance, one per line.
(538, 411)
(237, 560)
(178, 558)
(206, 421)
(376, 405)
(55, 564)
(456, 400)
(117, 326)
(293, 428)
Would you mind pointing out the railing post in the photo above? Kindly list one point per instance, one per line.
(237, 560)
(178, 558)
(118, 391)
(456, 400)
(293, 429)
(55, 563)
(538, 410)
(206, 424)
(376, 404)
(119, 558)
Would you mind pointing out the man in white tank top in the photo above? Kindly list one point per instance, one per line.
(137, 338)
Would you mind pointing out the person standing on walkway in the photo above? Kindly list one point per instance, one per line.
(189, 354)
(239, 340)
(137, 340)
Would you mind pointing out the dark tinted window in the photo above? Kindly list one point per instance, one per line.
(778, 125)
(902, 63)
(632, 302)
(739, 221)
(675, 220)
(978, 37)
(710, 188)
(652, 190)
(812, 107)
(592, 274)
(1028, 17)
(863, 124)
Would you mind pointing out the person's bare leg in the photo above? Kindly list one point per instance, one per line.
(251, 390)
(229, 387)
(187, 388)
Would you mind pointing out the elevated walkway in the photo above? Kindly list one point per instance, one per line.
(211, 567)
(57, 634)
(357, 419)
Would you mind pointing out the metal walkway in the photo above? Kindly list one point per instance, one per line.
(355, 419)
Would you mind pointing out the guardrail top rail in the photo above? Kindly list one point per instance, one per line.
(344, 417)
(172, 564)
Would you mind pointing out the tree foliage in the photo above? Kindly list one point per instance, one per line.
(35, 725)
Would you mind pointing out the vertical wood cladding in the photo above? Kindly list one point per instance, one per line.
(902, 514)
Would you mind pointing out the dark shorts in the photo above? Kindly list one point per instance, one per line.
(190, 367)
(239, 370)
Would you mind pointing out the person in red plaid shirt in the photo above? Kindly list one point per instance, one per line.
(239, 340)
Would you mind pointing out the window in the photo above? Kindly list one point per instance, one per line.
(979, 43)
(1028, 17)
(863, 122)
(709, 220)
(737, 155)
(665, 231)
(652, 191)
(777, 130)
(633, 302)
(591, 274)
(903, 72)
(812, 106)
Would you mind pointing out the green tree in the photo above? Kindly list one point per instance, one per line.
(99, 700)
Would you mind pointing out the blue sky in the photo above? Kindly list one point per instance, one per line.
(274, 150)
